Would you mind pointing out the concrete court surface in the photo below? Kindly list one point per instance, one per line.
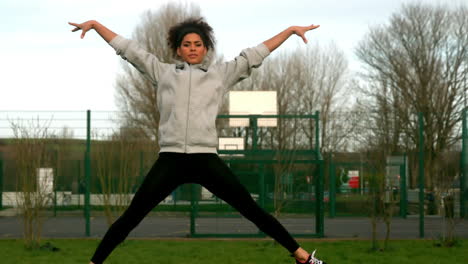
(160, 226)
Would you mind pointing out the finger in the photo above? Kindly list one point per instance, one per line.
(77, 26)
(74, 24)
(83, 34)
(304, 38)
(313, 26)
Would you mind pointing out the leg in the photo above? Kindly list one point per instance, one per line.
(161, 180)
(219, 179)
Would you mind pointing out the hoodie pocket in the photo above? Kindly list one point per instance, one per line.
(202, 131)
(171, 128)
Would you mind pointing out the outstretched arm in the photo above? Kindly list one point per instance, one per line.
(104, 32)
(145, 62)
(277, 40)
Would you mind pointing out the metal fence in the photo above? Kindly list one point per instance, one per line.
(349, 178)
(96, 169)
(349, 187)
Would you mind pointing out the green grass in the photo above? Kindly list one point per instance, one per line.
(232, 251)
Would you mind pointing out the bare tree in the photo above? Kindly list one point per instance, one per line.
(417, 63)
(382, 198)
(137, 96)
(117, 165)
(446, 170)
(325, 73)
(32, 152)
(306, 80)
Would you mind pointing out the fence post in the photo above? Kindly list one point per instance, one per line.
(319, 209)
(193, 210)
(261, 192)
(88, 174)
(261, 182)
(1, 181)
(332, 191)
(403, 196)
(464, 164)
(317, 134)
(254, 123)
(56, 175)
(421, 175)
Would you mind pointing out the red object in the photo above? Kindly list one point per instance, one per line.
(354, 182)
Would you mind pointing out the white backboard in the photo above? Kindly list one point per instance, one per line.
(231, 143)
(252, 103)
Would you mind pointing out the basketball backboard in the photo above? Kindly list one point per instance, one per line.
(252, 103)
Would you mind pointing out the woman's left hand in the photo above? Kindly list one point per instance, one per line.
(300, 31)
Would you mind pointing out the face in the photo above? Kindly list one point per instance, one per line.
(192, 50)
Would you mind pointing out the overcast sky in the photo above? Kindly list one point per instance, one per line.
(46, 67)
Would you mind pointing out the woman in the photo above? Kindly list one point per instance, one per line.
(189, 94)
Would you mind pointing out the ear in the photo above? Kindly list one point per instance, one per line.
(178, 52)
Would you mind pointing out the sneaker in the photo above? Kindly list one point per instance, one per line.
(311, 260)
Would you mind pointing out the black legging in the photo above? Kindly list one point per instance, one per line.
(174, 169)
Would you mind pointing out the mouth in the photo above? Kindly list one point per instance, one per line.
(192, 56)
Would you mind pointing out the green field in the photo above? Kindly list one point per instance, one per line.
(232, 251)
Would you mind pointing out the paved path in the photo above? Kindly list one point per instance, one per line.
(157, 226)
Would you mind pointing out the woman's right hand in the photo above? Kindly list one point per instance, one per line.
(300, 31)
(85, 27)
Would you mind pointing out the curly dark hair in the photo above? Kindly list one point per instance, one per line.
(192, 25)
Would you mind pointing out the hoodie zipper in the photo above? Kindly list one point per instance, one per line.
(188, 108)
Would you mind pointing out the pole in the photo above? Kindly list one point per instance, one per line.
(1, 181)
(57, 171)
(78, 180)
(319, 209)
(464, 164)
(88, 174)
(261, 182)
(421, 175)
(261, 191)
(193, 210)
(332, 192)
(319, 183)
(361, 174)
(317, 134)
(253, 121)
(403, 198)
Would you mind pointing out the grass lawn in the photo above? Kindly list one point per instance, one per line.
(232, 251)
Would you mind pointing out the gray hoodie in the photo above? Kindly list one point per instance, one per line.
(189, 96)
